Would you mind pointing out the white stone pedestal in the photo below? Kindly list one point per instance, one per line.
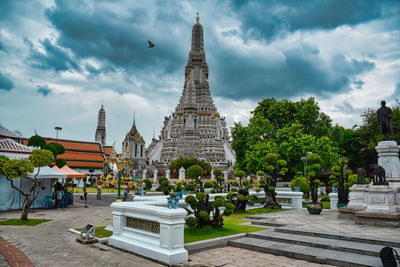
(334, 200)
(149, 230)
(381, 200)
(388, 158)
(358, 197)
(288, 199)
(181, 173)
(168, 174)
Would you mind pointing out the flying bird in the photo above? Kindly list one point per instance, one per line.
(151, 45)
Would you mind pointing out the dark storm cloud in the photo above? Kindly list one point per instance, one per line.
(43, 89)
(302, 72)
(54, 57)
(268, 19)
(5, 83)
(91, 31)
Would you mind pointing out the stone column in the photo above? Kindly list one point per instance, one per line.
(144, 173)
(334, 200)
(155, 177)
(388, 158)
(212, 175)
(182, 173)
(225, 174)
(381, 200)
(168, 174)
(358, 197)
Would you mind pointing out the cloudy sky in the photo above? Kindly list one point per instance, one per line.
(60, 60)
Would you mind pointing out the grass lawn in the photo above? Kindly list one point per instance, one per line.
(231, 226)
(100, 232)
(94, 190)
(18, 222)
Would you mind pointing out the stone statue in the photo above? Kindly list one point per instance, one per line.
(379, 175)
(384, 116)
(361, 176)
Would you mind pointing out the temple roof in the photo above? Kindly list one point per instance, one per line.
(134, 134)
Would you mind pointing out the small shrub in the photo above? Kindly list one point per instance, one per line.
(191, 222)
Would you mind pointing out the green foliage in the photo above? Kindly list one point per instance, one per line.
(36, 141)
(191, 222)
(209, 185)
(52, 149)
(235, 184)
(217, 173)
(193, 172)
(325, 199)
(17, 168)
(164, 185)
(61, 163)
(148, 184)
(3, 161)
(206, 213)
(302, 183)
(59, 148)
(190, 187)
(41, 157)
(240, 174)
(186, 163)
(313, 169)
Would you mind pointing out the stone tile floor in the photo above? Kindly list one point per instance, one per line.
(50, 244)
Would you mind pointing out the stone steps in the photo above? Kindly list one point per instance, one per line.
(340, 236)
(326, 247)
(320, 242)
(303, 252)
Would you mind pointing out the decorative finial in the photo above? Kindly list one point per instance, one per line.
(197, 17)
(153, 133)
(191, 75)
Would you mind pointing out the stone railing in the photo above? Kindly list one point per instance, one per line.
(149, 230)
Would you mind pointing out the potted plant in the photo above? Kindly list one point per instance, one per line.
(312, 169)
(173, 201)
(178, 190)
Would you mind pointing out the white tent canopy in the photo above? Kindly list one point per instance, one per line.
(47, 173)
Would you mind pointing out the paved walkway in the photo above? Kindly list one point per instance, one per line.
(12, 256)
(50, 244)
(328, 221)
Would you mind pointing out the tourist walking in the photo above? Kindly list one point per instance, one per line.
(84, 193)
(98, 192)
(126, 192)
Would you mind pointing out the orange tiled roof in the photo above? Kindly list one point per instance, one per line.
(85, 164)
(80, 153)
(107, 149)
(72, 155)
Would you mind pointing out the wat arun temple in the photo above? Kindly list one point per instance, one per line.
(195, 128)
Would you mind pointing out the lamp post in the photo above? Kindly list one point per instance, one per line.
(304, 159)
(119, 164)
(57, 128)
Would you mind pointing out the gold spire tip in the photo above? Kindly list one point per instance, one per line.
(191, 75)
(197, 17)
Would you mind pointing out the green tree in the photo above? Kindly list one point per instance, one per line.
(313, 167)
(340, 179)
(219, 185)
(194, 172)
(13, 169)
(347, 141)
(240, 174)
(61, 163)
(273, 167)
(188, 162)
(36, 141)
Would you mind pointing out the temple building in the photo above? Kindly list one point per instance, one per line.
(133, 147)
(100, 135)
(195, 128)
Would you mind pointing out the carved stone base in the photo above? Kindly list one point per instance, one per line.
(381, 200)
(385, 220)
(358, 197)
